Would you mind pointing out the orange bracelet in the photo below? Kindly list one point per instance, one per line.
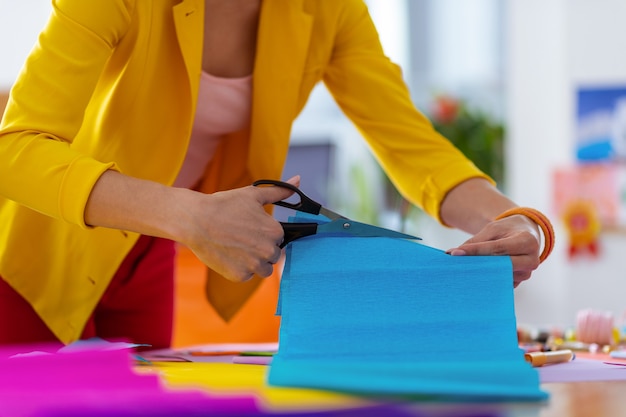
(541, 220)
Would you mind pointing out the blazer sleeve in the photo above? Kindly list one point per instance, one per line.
(47, 104)
(370, 90)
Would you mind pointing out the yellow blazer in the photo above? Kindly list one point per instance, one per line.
(112, 84)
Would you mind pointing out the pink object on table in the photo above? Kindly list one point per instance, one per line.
(594, 327)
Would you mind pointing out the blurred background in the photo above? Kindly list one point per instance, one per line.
(532, 90)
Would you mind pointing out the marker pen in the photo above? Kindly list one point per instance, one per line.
(555, 356)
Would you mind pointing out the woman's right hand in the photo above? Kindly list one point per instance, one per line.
(231, 232)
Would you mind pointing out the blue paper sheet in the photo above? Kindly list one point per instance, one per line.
(395, 317)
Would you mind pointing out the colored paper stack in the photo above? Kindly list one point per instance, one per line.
(101, 380)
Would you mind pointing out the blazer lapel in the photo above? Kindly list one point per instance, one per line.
(282, 46)
(189, 21)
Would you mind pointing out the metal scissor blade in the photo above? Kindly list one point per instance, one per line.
(346, 226)
(331, 214)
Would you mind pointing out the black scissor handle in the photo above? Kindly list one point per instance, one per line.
(305, 204)
(295, 231)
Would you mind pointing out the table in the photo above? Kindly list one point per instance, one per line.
(577, 399)
(583, 399)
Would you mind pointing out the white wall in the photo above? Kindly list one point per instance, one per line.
(464, 51)
(20, 22)
(554, 46)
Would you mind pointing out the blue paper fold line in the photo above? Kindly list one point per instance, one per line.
(396, 317)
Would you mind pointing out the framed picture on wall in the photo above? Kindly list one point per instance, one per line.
(601, 124)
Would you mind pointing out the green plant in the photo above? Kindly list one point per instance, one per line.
(477, 134)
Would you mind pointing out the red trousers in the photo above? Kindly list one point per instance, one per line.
(136, 307)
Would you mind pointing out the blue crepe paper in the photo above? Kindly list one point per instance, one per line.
(395, 317)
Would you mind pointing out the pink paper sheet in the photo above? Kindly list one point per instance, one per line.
(98, 383)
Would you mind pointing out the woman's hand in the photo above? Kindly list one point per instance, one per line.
(234, 235)
(471, 206)
(516, 236)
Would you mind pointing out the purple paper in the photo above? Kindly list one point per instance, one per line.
(582, 370)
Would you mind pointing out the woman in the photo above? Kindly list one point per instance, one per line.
(99, 124)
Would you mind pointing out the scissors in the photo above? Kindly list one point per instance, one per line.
(338, 224)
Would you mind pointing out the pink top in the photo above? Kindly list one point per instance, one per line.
(224, 106)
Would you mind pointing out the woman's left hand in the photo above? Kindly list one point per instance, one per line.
(516, 236)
